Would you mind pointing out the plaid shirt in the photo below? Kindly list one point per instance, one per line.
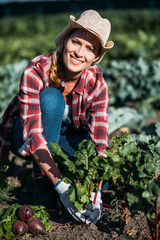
(89, 107)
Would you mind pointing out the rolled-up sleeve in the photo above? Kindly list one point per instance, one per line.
(98, 124)
(90, 107)
(30, 86)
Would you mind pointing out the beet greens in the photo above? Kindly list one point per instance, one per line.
(132, 164)
(11, 224)
(84, 173)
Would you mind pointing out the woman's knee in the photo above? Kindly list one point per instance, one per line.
(51, 99)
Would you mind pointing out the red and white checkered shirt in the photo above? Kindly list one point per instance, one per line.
(89, 107)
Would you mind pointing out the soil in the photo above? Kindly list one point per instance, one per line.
(113, 225)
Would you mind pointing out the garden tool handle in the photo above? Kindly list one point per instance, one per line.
(99, 188)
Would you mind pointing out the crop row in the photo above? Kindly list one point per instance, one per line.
(135, 34)
(137, 82)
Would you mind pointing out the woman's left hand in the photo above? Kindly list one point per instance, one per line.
(94, 209)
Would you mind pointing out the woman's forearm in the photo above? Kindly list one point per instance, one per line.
(46, 162)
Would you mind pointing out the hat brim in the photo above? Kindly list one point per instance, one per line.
(72, 24)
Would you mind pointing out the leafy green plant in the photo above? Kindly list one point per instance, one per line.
(88, 168)
(84, 173)
(125, 156)
(9, 217)
(134, 171)
(149, 171)
(136, 81)
(5, 187)
(136, 176)
(124, 116)
(9, 82)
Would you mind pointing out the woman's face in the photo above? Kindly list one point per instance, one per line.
(80, 51)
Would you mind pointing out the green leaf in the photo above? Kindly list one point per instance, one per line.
(88, 147)
(152, 189)
(8, 230)
(42, 215)
(1, 211)
(135, 201)
(7, 219)
(129, 148)
(72, 193)
(78, 205)
(61, 157)
(37, 207)
(82, 159)
(80, 174)
(85, 153)
(80, 191)
(85, 198)
(158, 128)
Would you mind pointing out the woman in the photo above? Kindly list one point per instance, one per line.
(63, 98)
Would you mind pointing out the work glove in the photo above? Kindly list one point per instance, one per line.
(62, 188)
(94, 209)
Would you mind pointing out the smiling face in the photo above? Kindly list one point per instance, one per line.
(80, 51)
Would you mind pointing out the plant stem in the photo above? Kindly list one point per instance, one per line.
(155, 167)
(116, 148)
(87, 163)
(144, 232)
(156, 233)
(91, 180)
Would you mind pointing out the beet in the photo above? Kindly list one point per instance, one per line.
(36, 226)
(25, 213)
(19, 228)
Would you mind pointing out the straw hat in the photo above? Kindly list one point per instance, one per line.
(91, 21)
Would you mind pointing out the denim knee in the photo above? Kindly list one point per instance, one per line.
(51, 100)
(52, 106)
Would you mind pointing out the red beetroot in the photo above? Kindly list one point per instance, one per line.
(36, 226)
(25, 213)
(19, 228)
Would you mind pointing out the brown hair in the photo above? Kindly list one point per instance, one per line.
(56, 69)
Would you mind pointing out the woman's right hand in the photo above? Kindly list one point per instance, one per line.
(61, 187)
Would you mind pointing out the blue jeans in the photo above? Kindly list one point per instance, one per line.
(52, 107)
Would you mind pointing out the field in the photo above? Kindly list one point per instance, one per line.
(131, 70)
(114, 223)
